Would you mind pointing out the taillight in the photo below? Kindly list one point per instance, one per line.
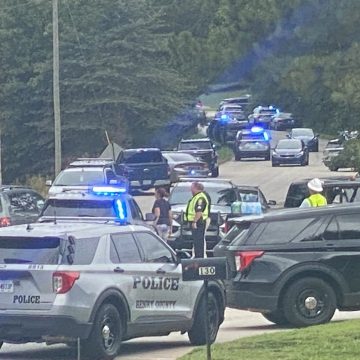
(5, 221)
(244, 259)
(64, 281)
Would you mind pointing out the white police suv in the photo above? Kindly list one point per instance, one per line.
(102, 283)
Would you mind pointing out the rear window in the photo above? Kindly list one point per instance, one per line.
(80, 178)
(195, 145)
(237, 233)
(79, 208)
(142, 156)
(46, 250)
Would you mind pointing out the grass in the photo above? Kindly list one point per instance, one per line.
(213, 99)
(337, 340)
(225, 154)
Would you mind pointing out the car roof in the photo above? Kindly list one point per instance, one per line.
(195, 140)
(206, 183)
(300, 213)
(140, 150)
(76, 194)
(89, 162)
(62, 229)
(333, 179)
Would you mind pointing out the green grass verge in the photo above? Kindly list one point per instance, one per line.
(225, 154)
(337, 340)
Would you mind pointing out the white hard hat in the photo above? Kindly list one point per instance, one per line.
(315, 185)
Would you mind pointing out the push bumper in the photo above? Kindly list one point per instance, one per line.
(20, 327)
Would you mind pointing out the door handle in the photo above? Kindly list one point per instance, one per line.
(119, 270)
(160, 271)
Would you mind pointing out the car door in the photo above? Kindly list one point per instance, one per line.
(343, 240)
(161, 281)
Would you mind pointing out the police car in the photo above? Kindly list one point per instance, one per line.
(252, 143)
(102, 283)
(95, 204)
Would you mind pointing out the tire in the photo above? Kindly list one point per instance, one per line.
(277, 317)
(319, 294)
(316, 148)
(197, 332)
(267, 157)
(215, 172)
(333, 168)
(237, 157)
(96, 347)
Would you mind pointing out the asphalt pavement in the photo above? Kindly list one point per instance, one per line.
(274, 182)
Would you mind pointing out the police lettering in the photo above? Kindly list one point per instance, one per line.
(26, 299)
(156, 283)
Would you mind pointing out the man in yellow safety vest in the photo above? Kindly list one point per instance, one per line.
(315, 199)
(197, 213)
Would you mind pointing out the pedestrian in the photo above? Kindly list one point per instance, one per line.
(315, 199)
(197, 213)
(163, 216)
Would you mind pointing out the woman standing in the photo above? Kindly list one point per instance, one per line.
(162, 211)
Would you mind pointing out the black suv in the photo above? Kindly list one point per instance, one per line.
(295, 266)
(204, 150)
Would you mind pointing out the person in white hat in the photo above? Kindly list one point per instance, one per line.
(315, 199)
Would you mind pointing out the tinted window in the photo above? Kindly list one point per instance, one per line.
(154, 249)
(237, 233)
(142, 156)
(332, 231)
(80, 178)
(349, 227)
(283, 231)
(124, 249)
(296, 194)
(312, 232)
(79, 208)
(25, 201)
(195, 145)
(84, 251)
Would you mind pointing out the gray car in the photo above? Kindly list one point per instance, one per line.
(101, 283)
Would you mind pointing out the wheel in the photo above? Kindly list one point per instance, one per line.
(316, 148)
(197, 332)
(333, 168)
(277, 317)
(106, 334)
(215, 172)
(309, 301)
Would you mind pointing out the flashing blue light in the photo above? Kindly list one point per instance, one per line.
(224, 117)
(271, 107)
(120, 209)
(266, 136)
(257, 130)
(192, 172)
(108, 190)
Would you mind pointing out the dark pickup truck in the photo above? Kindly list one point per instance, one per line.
(145, 168)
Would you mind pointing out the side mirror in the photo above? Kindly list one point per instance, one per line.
(48, 182)
(150, 217)
(317, 135)
(271, 202)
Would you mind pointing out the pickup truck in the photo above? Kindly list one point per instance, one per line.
(145, 168)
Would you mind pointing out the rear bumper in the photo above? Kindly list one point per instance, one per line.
(30, 327)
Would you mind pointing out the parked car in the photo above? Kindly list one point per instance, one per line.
(185, 165)
(85, 172)
(100, 283)
(19, 205)
(307, 136)
(290, 152)
(262, 116)
(204, 150)
(295, 266)
(337, 190)
(283, 121)
(253, 143)
(145, 168)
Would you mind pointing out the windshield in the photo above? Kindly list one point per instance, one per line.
(288, 144)
(302, 132)
(196, 145)
(178, 157)
(142, 156)
(79, 178)
(218, 195)
(79, 208)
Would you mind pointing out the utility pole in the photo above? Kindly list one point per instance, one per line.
(56, 87)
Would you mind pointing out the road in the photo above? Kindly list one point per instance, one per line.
(274, 182)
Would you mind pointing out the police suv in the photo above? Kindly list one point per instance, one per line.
(102, 283)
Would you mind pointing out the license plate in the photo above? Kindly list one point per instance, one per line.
(147, 182)
(6, 286)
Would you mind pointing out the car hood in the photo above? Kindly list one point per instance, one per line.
(55, 189)
(287, 151)
(214, 208)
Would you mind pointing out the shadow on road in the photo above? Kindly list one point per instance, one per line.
(48, 353)
(132, 348)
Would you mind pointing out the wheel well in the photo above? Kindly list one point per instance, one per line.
(118, 303)
(316, 274)
(220, 298)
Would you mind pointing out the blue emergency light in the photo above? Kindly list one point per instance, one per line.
(108, 190)
(224, 118)
(120, 209)
(258, 130)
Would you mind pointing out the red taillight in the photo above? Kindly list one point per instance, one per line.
(226, 227)
(5, 221)
(64, 281)
(244, 259)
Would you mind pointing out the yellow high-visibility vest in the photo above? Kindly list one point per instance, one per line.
(317, 200)
(190, 210)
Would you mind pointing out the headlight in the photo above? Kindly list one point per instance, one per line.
(301, 153)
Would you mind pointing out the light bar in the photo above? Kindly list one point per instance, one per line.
(224, 117)
(108, 190)
(257, 130)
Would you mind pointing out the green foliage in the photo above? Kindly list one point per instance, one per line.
(349, 157)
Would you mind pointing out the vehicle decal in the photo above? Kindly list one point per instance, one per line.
(26, 299)
(152, 304)
(156, 283)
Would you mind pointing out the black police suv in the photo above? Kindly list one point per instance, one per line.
(295, 266)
